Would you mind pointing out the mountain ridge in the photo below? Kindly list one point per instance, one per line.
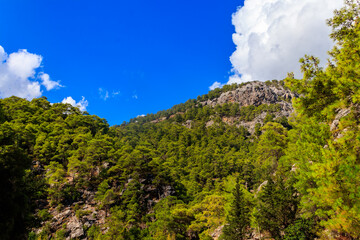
(249, 95)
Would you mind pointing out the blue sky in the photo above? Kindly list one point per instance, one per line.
(148, 55)
(121, 59)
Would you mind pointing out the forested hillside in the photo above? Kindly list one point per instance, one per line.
(278, 159)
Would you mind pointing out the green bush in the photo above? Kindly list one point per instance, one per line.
(80, 213)
(44, 215)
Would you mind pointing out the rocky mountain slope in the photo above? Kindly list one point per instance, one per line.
(256, 94)
(84, 179)
(84, 213)
(258, 98)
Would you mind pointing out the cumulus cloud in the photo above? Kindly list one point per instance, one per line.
(49, 84)
(271, 36)
(142, 115)
(3, 54)
(17, 75)
(82, 104)
(215, 85)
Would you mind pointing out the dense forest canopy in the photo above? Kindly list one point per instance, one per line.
(67, 174)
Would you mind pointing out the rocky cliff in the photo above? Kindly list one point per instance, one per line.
(255, 94)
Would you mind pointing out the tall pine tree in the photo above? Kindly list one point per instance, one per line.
(238, 220)
(277, 206)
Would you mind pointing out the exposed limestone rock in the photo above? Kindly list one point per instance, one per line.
(89, 197)
(62, 215)
(341, 113)
(252, 93)
(188, 124)
(255, 93)
(256, 234)
(159, 120)
(67, 218)
(210, 123)
(217, 232)
(334, 126)
(294, 168)
(167, 191)
(75, 228)
(261, 186)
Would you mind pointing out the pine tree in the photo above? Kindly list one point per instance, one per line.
(277, 207)
(239, 217)
(329, 183)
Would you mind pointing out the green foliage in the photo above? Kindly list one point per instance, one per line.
(94, 232)
(44, 215)
(105, 196)
(275, 83)
(45, 232)
(257, 129)
(277, 208)
(218, 91)
(119, 228)
(238, 219)
(80, 213)
(32, 236)
(316, 89)
(269, 150)
(14, 160)
(61, 234)
(208, 214)
(73, 152)
(172, 219)
(55, 176)
(194, 109)
(328, 161)
(301, 229)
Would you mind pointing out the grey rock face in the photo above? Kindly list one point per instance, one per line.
(217, 232)
(341, 113)
(255, 93)
(62, 215)
(75, 228)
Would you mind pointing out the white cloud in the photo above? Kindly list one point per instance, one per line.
(135, 96)
(237, 79)
(82, 104)
(17, 75)
(271, 36)
(104, 94)
(49, 84)
(115, 93)
(3, 54)
(142, 115)
(215, 85)
(23, 63)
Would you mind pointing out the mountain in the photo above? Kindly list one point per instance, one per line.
(256, 94)
(239, 104)
(81, 168)
(230, 164)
